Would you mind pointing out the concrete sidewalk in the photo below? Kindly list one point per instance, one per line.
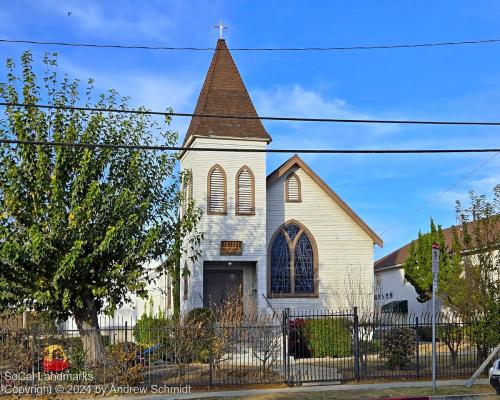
(307, 389)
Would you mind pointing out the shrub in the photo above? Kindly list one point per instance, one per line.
(124, 364)
(77, 359)
(424, 333)
(203, 316)
(370, 346)
(297, 340)
(150, 329)
(329, 337)
(201, 323)
(398, 346)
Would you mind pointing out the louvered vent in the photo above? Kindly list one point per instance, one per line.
(245, 192)
(190, 187)
(293, 188)
(217, 191)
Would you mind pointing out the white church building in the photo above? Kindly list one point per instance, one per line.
(280, 240)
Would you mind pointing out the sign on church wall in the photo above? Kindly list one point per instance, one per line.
(231, 248)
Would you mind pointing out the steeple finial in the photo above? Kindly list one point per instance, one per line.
(221, 27)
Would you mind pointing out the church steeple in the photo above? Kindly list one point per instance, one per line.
(224, 93)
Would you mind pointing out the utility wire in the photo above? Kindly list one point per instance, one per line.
(243, 150)
(255, 117)
(268, 49)
(425, 205)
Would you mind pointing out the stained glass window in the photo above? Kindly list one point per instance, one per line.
(280, 265)
(292, 231)
(304, 266)
(286, 255)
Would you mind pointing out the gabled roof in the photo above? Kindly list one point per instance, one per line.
(296, 160)
(399, 256)
(224, 93)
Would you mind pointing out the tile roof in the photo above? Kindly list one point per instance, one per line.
(224, 93)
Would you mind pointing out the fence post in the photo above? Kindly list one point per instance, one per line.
(356, 345)
(284, 335)
(417, 341)
(126, 335)
(33, 355)
(210, 368)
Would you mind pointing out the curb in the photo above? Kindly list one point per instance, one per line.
(444, 397)
(244, 393)
(461, 396)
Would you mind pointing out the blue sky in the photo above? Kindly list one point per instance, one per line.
(430, 83)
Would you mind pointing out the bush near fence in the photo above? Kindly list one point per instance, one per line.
(329, 337)
(399, 347)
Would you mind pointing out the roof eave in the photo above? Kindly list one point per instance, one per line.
(296, 160)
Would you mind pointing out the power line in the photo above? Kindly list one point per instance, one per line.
(266, 49)
(243, 150)
(256, 117)
(425, 205)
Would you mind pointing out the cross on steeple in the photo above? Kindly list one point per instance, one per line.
(221, 27)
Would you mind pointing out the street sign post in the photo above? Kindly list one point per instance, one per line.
(435, 272)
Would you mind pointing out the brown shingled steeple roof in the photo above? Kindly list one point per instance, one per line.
(224, 93)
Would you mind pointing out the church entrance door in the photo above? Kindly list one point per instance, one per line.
(219, 286)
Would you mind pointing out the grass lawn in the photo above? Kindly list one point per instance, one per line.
(372, 394)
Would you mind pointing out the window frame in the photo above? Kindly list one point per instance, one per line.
(237, 189)
(224, 189)
(299, 188)
(292, 245)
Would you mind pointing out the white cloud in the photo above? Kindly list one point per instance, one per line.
(296, 100)
(120, 19)
(155, 91)
(161, 21)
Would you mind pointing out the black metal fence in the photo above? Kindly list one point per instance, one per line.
(296, 347)
(352, 346)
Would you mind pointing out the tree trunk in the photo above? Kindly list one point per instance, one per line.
(176, 289)
(90, 334)
(454, 357)
(176, 278)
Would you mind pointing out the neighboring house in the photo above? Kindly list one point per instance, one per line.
(392, 291)
(282, 240)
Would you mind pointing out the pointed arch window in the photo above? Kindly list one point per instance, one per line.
(216, 190)
(293, 262)
(245, 191)
(292, 189)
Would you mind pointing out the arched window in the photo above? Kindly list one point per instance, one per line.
(245, 192)
(292, 189)
(216, 190)
(293, 262)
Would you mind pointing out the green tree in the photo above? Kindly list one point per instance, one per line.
(473, 289)
(418, 265)
(79, 226)
(469, 269)
(186, 239)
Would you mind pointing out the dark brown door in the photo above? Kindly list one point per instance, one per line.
(219, 285)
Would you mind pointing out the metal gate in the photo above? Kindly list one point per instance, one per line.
(320, 346)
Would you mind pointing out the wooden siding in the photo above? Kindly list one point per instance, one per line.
(345, 251)
(250, 229)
